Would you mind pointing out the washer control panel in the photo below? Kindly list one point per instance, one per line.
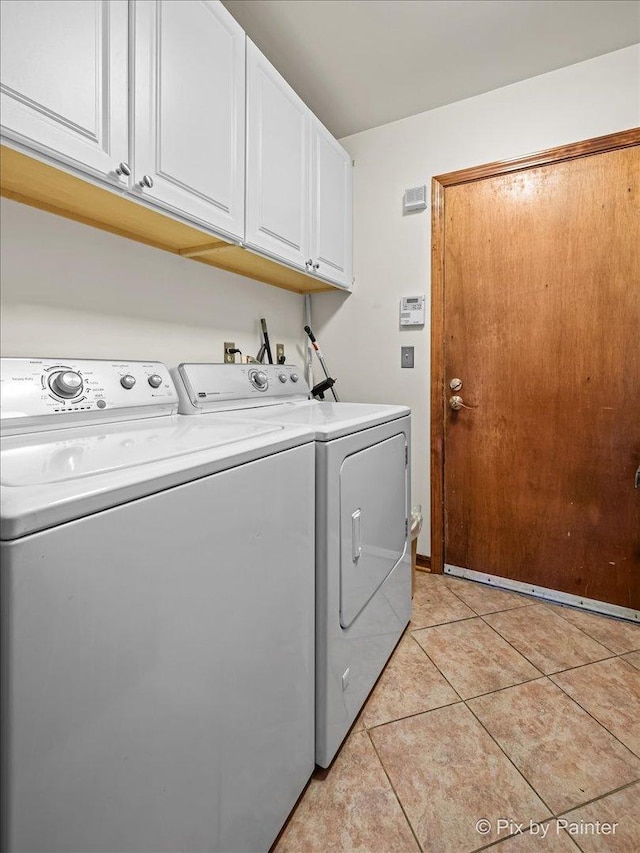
(42, 393)
(220, 387)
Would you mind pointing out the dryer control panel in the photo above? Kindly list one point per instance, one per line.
(224, 387)
(46, 393)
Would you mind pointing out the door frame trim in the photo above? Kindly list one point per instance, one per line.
(439, 183)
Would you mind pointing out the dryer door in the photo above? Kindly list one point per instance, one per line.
(373, 518)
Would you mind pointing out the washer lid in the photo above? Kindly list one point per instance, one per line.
(58, 476)
(58, 456)
(327, 420)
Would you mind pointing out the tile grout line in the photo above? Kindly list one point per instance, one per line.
(528, 599)
(581, 630)
(559, 613)
(395, 793)
(463, 702)
(581, 804)
(457, 701)
(420, 713)
(511, 644)
(516, 684)
(602, 725)
(515, 648)
(555, 672)
(416, 713)
(508, 757)
(581, 665)
(553, 815)
(486, 692)
(499, 635)
(524, 834)
(599, 797)
(437, 624)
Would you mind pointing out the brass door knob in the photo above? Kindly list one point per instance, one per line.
(458, 403)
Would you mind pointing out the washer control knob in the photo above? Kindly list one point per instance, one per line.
(282, 377)
(294, 377)
(260, 379)
(68, 383)
(128, 381)
(155, 381)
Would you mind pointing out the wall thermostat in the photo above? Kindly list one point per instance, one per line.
(412, 311)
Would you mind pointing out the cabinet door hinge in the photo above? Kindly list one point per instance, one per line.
(406, 456)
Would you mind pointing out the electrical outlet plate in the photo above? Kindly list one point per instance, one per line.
(229, 357)
(279, 352)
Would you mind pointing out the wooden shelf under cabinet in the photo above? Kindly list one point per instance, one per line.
(40, 185)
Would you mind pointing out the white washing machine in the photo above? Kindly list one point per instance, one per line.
(363, 554)
(157, 604)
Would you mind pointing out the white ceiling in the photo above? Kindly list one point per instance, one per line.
(362, 63)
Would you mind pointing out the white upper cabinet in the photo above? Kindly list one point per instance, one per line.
(278, 164)
(190, 110)
(64, 81)
(299, 199)
(170, 103)
(331, 192)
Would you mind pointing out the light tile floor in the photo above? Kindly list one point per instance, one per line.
(493, 707)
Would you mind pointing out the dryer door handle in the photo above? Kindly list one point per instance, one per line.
(356, 536)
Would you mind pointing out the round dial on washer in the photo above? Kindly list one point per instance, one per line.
(282, 377)
(128, 381)
(155, 381)
(294, 377)
(66, 384)
(259, 380)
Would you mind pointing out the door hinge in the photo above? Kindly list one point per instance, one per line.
(406, 456)
(406, 527)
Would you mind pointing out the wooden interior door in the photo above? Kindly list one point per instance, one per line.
(538, 302)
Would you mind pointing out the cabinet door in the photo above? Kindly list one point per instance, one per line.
(64, 81)
(189, 110)
(331, 213)
(277, 164)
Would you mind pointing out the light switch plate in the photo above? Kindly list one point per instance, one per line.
(406, 357)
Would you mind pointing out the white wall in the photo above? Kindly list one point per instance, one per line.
(68, 289)
(360, 335)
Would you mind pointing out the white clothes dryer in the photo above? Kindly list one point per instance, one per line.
(157, 603)
(363, 554)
